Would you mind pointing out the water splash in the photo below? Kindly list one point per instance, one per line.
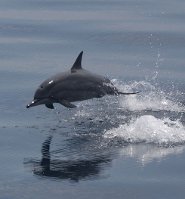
(149, 129)
(151, 97)
(152, 116)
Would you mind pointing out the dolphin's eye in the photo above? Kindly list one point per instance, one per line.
(41, 87)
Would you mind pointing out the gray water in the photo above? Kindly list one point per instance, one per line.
(114, 147)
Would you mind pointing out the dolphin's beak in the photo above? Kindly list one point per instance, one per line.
(35, 102)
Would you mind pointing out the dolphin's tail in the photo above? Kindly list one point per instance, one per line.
(132, 93)
(112, 90)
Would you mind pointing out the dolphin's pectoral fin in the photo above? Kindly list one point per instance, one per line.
(66, 103)
(49, 105)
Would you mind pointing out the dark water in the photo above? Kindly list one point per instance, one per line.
(126, 147)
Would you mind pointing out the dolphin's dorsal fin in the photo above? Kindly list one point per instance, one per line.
(78, 63)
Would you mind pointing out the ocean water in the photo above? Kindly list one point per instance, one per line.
(113, 147)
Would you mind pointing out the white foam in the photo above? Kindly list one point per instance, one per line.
(150, 129)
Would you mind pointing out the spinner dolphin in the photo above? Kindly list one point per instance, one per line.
(77, 84)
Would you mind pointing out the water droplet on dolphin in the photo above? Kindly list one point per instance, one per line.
(51, 82)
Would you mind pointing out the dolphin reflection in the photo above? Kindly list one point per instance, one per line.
(91, 168)
(74, 170)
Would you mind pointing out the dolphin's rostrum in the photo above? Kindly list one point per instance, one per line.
(76, 84)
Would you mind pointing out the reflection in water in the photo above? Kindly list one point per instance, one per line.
(73, 169)
(91, 168)
(147, 153)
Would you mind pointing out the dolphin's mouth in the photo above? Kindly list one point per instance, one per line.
(39, 101)
(35, 102)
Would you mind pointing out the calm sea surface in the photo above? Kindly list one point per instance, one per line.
(113, 147)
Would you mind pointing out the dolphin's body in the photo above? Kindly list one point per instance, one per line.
(76, 84)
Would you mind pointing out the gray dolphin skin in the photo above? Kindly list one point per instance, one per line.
(77, 84)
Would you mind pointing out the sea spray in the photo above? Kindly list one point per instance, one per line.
(150, 129)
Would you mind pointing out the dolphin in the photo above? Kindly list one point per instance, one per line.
(77, 84)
